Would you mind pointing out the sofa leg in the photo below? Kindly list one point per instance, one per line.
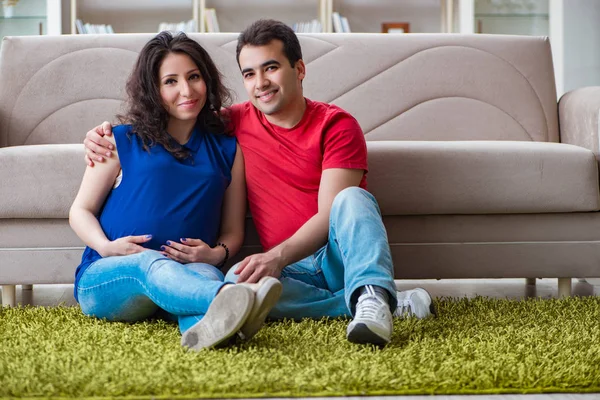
(530, 281)
(9, 296)
(564, 287)
(27, 287)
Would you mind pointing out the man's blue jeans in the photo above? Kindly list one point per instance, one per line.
(357, 254)
(134, 287)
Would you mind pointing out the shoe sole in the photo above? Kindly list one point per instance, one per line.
(224, 317)
(361, 334)
(265, 299)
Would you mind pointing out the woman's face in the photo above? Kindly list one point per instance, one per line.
(182, 88)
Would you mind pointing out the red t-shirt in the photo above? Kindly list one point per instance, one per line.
(284, 166)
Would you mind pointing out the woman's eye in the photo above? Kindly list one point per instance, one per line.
(170, 81)
(194, 76)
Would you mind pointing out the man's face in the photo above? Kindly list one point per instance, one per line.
(273, 85)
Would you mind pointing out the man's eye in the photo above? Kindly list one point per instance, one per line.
(248, 76)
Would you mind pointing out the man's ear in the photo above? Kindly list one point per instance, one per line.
(301, 68)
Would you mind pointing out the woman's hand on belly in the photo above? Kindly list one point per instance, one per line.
(124, 246)
(193, 251)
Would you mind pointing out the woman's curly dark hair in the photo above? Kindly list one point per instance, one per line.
(145, 110)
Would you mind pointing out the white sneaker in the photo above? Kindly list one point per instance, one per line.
(372, 323)
(415, 303)
(225, 316)
(266, 294)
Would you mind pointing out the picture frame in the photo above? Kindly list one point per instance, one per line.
(395, 27)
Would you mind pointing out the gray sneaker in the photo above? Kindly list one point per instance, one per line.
(225, 316)
(372, 323)
(415, 303)
(266, 295)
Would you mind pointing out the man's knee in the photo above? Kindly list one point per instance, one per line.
(353, 198)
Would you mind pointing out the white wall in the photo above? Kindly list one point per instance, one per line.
(581, 63)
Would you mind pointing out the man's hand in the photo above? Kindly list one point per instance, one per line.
(96, 147)
(125, 246)
(193, 251)
(254, 267)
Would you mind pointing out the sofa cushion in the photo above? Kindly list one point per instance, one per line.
(408, 178)
(482, 177)
(40, 181)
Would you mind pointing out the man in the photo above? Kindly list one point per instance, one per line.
(306, 161)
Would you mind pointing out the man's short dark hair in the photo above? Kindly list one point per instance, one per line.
(263, 32)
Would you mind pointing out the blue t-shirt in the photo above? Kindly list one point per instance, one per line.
(162, 196)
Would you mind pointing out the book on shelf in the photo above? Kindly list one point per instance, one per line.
(210, 20)
(345, 25)
(340, 23)
(183, 26)
(88, 28)
(313, 26)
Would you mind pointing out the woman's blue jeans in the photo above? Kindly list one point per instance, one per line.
(357, 254)
(134, 287)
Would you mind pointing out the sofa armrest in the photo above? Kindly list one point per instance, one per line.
(40, 181)
(579, 117)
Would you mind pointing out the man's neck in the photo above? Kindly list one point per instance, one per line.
(291, 118)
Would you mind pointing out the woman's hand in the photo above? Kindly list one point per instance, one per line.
(125, 246)
(193, 251)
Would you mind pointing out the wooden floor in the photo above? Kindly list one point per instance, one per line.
(51, 295)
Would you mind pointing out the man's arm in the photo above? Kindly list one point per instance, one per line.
(96, 146)
(309, 237)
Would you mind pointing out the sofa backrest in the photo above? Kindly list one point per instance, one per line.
(399, 87)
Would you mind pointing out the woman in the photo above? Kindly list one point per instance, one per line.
(177, 183)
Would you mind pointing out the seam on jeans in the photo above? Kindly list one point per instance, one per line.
(315, 266)
(304, 273)
(109, 282)
(146, 291)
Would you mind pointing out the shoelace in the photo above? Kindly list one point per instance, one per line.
(404, 308)
(368, 307)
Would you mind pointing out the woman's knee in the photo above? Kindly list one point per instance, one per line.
(119, 308)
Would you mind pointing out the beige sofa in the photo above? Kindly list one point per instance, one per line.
(475, 175)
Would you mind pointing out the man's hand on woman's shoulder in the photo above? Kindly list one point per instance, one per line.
(96, 146)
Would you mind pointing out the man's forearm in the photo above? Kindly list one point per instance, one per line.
(306, 241)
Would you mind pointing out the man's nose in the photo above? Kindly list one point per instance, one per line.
(261, 81)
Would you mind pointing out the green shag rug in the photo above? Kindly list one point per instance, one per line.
(478, 345)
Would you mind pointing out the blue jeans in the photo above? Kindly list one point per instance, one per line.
(357, 254)
(134, 287)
